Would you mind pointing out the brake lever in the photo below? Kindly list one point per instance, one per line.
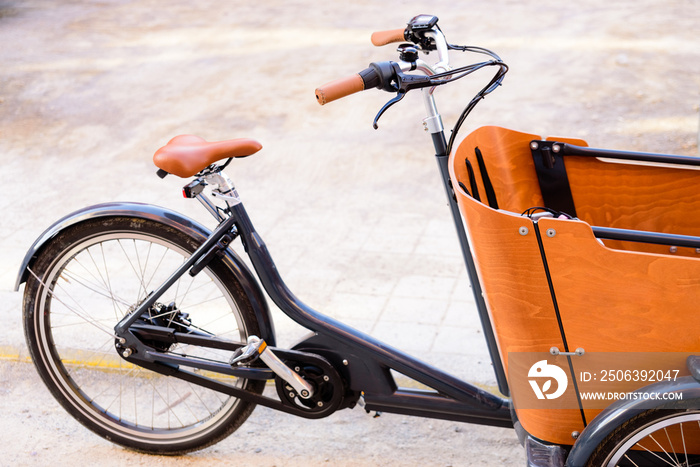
(402, 83)
(400, 95)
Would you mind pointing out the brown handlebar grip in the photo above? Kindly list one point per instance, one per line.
(339, 88)
(380, 38)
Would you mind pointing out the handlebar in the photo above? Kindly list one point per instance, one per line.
(396, 77)
(421, 30)
(338, 88)
(373, 77)
(381, 38)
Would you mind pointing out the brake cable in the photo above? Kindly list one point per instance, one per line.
(405, 83)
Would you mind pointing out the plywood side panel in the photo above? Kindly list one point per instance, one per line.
(619, 301)
(513, 280)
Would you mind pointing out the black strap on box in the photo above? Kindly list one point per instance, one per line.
(551, 173)
(488, 186)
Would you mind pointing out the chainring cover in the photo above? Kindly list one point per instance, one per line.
(327, 383)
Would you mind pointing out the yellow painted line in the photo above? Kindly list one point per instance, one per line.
(100, 362)
(13, 353)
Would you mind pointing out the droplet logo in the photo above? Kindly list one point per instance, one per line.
(542, 370)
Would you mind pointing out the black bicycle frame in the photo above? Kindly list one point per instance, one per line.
(365, 362)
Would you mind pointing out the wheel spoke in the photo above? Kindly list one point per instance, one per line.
(655, 437)
(156, 268)
(82, 315)
(105, 281)
(182, 298)
(655, 454)
(117, 312)
(685, 449)
(69, 276)
(670, 443)
(633, 462)
(142, 289)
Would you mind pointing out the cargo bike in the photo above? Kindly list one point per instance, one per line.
(585, 266)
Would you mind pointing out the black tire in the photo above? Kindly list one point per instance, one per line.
(652, 438)
(82, 283)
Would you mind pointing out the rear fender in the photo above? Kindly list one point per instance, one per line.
(172, 219)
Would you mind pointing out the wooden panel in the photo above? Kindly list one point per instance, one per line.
(509, 164)
(638, 197)
(603, 293)
(619, 301)
(510, 268)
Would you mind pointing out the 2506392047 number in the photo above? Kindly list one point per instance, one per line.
(638, 375)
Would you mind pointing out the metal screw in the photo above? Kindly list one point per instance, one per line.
(319, 403)
(297, 369)
(556, 148)
(523, 230)
(579, 351)
(292, 395)
(127, 352)
(304, 393)
(326, 378)
(345, 362)
(575, 434)
(534, 145)
(123, 341)
(673, 249)
(551, 233)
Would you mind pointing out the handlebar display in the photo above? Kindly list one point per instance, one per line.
(422, 22)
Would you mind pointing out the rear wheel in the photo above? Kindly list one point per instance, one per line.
(84, 281)
(653, 438)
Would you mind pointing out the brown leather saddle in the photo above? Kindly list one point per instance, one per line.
(187, 155)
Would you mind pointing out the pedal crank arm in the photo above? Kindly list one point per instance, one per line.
(300, 385)
(259, 348)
